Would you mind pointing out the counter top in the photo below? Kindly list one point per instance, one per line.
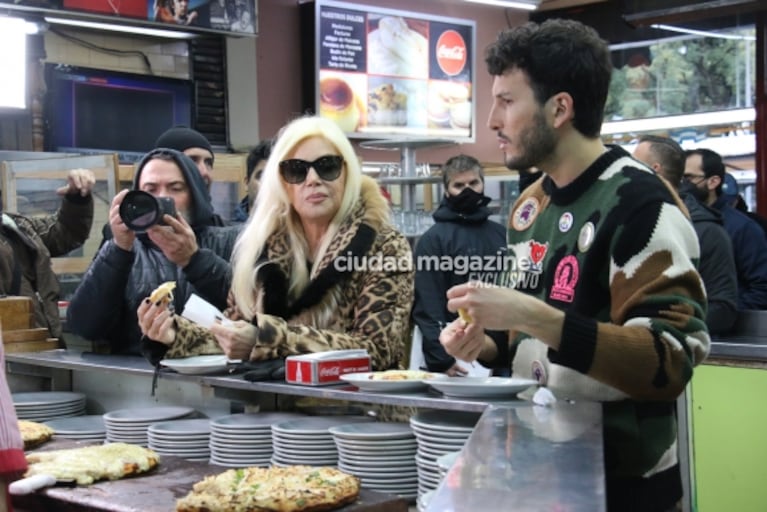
(135, 365)
(739, 347)
(529, 458)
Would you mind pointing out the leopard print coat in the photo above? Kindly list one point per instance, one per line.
(340, 309)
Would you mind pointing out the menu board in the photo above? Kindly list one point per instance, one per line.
(384, 73)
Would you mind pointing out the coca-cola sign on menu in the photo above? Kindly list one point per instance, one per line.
(451, 52)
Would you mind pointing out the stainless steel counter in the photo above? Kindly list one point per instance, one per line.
(739, 347)
(525, 457)
(225, 384)
(519, 457)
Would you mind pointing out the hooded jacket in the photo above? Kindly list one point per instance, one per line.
(40, 239)
(716, 267)
(346, 304)
(104, 305)
(455, 241)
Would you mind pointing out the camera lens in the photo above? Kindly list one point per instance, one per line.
(140, 210)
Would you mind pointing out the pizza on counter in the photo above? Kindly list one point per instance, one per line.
(89, 464)
(34, 434)
(275, 489)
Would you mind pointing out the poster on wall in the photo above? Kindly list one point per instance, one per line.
(220, 15)
(385, 73)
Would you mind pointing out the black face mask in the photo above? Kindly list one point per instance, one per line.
(468, 201)
(687, 188)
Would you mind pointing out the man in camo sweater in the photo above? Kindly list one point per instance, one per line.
(605, 302)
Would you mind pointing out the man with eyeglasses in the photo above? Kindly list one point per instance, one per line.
(704, 175)
(717, 263)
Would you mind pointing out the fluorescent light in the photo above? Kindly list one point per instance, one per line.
(650, 124)
(131, 29)
(13, 62)
(703, 33)
(527, 6)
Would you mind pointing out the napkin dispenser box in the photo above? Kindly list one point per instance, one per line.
(322, 368)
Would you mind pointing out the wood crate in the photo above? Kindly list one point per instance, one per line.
(16, 313)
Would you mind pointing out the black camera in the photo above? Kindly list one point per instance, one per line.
(140, 210)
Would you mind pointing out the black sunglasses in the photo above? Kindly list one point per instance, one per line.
(328, 168)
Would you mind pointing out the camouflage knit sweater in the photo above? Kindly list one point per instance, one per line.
(615, 252)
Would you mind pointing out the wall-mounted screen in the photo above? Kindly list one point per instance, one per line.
(385, 74)
(97, 111)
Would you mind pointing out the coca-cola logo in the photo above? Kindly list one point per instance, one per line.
(451, 52)
(330, 371)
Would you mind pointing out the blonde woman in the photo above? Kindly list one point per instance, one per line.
(318, 266)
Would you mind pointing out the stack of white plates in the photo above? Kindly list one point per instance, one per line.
(438, 433)
(423, 501)
(243, 440)
(308, 440)
(48, 405)
(187, 439)
(381, 455)
(445, 462)
(130, 425)
(90, 428)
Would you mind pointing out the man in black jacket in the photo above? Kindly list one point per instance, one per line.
(462, 245)
(717, 263)
(188, 249)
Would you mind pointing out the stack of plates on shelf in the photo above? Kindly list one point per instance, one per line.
(48, 405)
(381, 455)
(243, 440)
(445, 462)
(90, 428)
(438, 433)
(308, 440)
(130, 425)
(188, 439)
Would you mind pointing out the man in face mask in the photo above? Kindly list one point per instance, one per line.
(717, 263)
(462, 245)
(704, 170)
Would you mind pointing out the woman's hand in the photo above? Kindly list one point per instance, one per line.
(156, 322)
(236, 339)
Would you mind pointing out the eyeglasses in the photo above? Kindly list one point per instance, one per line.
(328, 168)
(694, 178)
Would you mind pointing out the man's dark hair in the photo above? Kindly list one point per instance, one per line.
(256, 155)
(558, 56)
(711, 163)
(458, 164)
(669, 155)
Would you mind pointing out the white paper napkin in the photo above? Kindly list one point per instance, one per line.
(202, 312)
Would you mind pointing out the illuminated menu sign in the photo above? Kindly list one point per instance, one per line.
(385, 73)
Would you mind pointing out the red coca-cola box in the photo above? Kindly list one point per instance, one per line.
(322, 368)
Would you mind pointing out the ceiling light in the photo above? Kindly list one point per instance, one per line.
(131, 29)
(529, 5)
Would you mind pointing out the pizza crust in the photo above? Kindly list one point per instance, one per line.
(288, 489)
(163, 293)
(34, 434)
(89, 464)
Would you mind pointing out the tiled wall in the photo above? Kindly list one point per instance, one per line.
(167, 57)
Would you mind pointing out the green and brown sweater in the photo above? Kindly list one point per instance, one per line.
(615, 251)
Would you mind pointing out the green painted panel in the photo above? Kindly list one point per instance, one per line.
(729, 416)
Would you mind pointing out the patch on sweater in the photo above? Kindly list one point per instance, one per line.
(565, 279)
(523, 217)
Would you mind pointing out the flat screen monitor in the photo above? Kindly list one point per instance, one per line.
(390, 74)
(94, 111)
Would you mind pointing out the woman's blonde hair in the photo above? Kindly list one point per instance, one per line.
(273, 212)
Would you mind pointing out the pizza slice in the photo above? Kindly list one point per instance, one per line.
(34, 434)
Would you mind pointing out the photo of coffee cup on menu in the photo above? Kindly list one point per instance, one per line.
(339, 103)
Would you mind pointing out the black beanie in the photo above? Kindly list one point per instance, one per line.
(182, 138)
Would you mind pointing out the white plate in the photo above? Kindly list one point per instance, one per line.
(144, 416)
(197, 365)
(366, 382)
(373, 431)
(476, 387)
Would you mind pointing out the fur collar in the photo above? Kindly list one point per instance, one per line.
(369, 216)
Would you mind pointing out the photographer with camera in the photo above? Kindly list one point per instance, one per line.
(163, 230)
